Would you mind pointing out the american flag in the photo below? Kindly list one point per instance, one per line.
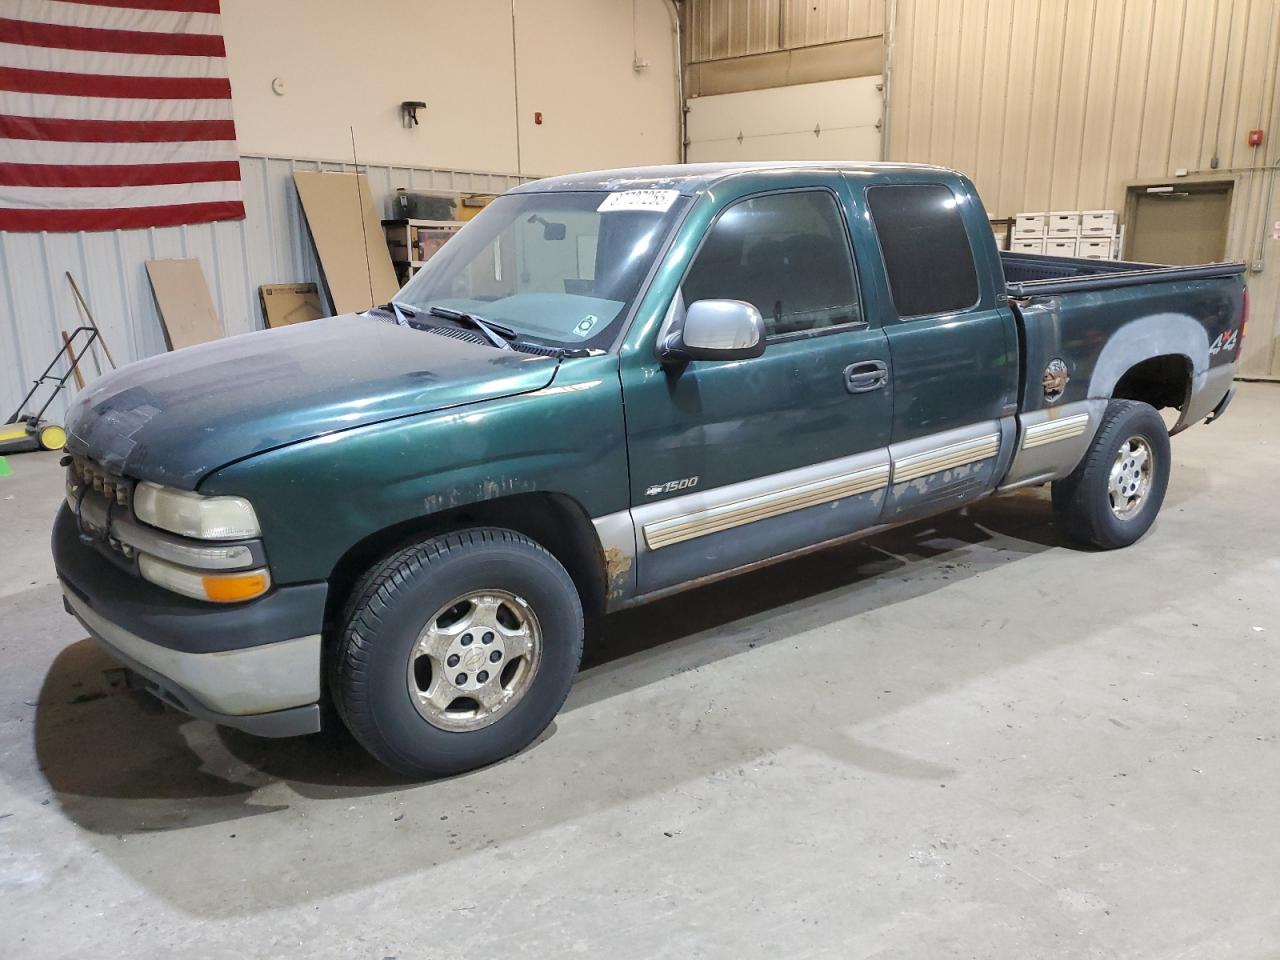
(115, 114)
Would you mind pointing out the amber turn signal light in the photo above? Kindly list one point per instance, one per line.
(236, 587)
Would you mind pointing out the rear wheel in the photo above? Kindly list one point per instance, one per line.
(457, 651)
(1113, 495)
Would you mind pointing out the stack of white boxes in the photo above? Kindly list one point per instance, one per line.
(1091, 234)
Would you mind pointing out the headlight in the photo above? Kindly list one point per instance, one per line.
(191, 515)
(218, 587)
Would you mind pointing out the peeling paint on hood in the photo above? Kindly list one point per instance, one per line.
(174, 418)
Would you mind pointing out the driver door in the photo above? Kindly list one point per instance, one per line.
(732, 462)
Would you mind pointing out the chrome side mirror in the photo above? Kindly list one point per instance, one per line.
(715, 330)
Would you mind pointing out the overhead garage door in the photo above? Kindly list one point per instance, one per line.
(832, 120)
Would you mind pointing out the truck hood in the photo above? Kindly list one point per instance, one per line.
(175, 417)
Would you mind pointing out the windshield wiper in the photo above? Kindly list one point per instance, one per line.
(401, 311)
(496, 334)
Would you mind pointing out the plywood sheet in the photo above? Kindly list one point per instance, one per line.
(353, 258)
(286, 303)
(182, 298)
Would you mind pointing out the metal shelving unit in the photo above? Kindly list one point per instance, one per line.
(413, 242)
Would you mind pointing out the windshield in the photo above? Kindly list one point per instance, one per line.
(559, 268)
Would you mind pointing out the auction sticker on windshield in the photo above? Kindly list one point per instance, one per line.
(659, 201)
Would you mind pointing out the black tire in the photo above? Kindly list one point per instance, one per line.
(1082, 500)
(389, 609)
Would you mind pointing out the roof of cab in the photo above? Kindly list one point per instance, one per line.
(691, 178)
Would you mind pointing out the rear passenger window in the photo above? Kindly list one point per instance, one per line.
(926, 250)
(788, 254)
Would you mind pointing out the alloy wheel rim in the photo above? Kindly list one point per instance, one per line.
(474, 660)
(1130, 479)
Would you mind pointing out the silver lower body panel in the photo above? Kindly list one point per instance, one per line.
(1052, 441)
(270, 690)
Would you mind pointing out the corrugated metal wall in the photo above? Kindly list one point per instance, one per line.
(1057, 105)
(720, 29)
(269, 246)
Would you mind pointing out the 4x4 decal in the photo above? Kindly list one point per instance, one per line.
(1226, 341)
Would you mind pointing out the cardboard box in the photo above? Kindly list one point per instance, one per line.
(1029, 226)
(1027, 246)
(1097, 223)
(1094, 249)
(287, 303)
(1064, 223)
(1060, 247)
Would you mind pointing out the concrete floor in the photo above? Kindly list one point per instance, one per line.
(962, 739)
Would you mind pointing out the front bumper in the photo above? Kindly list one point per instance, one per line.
(254, 666)
(270, 690)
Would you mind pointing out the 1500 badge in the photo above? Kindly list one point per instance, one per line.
(671, 486)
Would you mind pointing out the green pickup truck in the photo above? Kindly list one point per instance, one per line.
(606, 388)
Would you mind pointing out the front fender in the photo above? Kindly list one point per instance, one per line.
(317, 499)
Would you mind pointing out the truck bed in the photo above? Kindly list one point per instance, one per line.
(1105, 317)
(1030, 274)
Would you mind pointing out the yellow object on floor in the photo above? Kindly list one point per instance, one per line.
(25, 435)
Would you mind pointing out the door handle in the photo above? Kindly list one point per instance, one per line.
(866, 376)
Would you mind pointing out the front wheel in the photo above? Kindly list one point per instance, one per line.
(457, 652)
(1113, 495)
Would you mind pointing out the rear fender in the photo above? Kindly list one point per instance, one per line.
(1053, 439)
(1164, 334)
(1161, 334)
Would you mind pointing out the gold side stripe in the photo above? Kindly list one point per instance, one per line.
(1053, 430)
(664, 533)
(946, 458)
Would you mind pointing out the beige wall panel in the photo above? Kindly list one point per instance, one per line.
(867, 19)
(994, 91)
(1100, 106)
(1239, 79)
(899, 52)
(1016, 131)
(732, 28)
(1130, 95)
(1220, 52)
(1261, 356)
(810, 22)
(1062, 104)
(313, 116)
(1193, 86)
(924, 89)
(1046, 90)
(575, 65)
(946, 64)
(1077, 56)
(970, 68)
(719, 29)
(1160, 87)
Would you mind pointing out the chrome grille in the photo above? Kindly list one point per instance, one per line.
(112, 487)
(96, 497)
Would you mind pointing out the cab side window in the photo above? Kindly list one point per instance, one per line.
(926, 250)
(786, 253)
